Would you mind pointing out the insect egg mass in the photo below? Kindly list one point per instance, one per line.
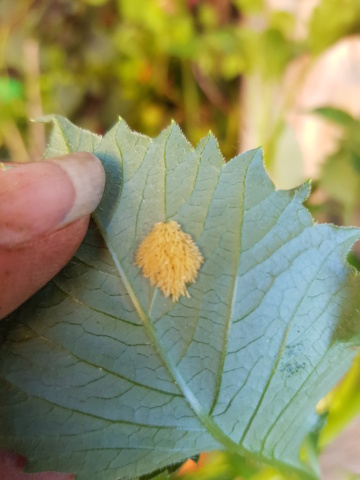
(169, 258)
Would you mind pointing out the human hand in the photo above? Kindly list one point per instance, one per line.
(44, 214)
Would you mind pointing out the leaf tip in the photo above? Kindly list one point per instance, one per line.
(52, 117)
(303, 191)
(44, 119)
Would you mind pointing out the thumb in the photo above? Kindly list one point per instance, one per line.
(44, 214)
(40, 197)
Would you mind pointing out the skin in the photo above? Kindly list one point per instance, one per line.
(41, 227)
(44, 214)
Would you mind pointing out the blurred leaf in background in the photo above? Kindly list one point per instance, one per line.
(10, 89)
(199, 62)
(340, 176)
(332, 20)
(227, 466)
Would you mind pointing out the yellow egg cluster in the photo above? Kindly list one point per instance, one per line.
(169, 258)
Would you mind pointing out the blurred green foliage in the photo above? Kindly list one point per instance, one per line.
(332, 20)
(151, 61)
(227, 466)
(341, 405)
(340, 176)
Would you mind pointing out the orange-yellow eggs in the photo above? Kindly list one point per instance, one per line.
(169, 258)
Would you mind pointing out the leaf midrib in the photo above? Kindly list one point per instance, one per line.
(207, 421)
(204, 418)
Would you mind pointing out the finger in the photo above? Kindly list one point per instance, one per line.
(12, 465)
(40, 197)
(28, 267)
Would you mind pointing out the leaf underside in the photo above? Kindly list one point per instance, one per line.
(103, 376)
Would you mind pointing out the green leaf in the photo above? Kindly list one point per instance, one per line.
(10, 90)
(103, 376)
(329, 23)
(337, 116)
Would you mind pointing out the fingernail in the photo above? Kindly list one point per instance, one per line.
(87, 175)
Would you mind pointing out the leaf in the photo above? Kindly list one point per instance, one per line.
(340, 173)
(103, 376)
(337, 116)
(10, 90)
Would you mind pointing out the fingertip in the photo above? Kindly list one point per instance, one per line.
(40, 197)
